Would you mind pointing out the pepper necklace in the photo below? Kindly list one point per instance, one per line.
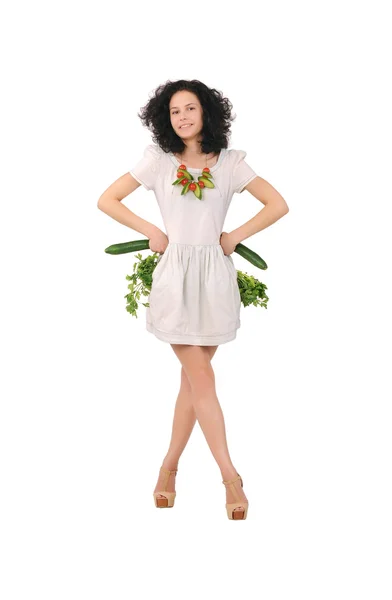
(187, 181)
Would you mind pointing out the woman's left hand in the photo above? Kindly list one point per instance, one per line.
(227, 243)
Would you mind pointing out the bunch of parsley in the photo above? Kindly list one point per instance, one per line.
(252, 290)
(140, 281)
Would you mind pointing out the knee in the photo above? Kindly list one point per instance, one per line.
(202, 381)
(184, 380)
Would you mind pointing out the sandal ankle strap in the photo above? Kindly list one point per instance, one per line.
(167, 470)
(233, 480)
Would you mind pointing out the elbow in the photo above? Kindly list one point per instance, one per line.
(101, 202)
(281, 209)
(284, 208)
(104, 201)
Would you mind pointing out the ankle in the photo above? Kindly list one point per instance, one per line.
(229, 474)
(171, 464)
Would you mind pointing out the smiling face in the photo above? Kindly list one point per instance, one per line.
(186, 115)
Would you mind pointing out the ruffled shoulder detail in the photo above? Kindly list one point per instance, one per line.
(146, 171)
(154, 153)
(240, 154)
(236, 156)
(241, 173)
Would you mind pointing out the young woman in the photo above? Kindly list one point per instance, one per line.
(194, 304)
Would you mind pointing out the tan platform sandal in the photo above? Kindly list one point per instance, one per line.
(236, 514)
(168, 500)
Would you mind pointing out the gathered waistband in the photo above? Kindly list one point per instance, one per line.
(193, 245)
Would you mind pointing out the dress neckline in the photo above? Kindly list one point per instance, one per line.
(191, 170)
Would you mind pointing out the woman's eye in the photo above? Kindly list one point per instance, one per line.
(190, 108)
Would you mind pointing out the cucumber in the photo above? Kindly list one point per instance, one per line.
(197, 190)
(133, 246)
(185, 188)
(206, 182)
(186, 174)
(136, 245)
(251, 256)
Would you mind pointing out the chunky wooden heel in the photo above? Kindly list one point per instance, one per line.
(236, 515)
(169, 497)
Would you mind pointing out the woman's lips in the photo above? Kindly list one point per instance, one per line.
(186, 126)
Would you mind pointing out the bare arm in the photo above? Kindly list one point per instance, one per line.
(275, 208)
(110, 203)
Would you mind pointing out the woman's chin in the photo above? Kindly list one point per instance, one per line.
(187, 133)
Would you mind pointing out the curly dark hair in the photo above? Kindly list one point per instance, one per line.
(217, 117)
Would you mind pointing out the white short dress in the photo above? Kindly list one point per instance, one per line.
(194, 296)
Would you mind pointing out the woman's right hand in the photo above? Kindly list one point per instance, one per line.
(158, 241)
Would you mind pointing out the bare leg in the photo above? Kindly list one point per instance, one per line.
(196, 363)
(183, 423)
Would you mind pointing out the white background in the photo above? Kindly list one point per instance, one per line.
(88, 394)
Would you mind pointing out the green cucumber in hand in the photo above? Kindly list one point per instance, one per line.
(137, 245)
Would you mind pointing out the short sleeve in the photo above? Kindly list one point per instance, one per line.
(146, 171)
(242, 173)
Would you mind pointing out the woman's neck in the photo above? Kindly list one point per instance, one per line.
(198, 160)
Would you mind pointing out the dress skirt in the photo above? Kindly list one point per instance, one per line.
(194, 296)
